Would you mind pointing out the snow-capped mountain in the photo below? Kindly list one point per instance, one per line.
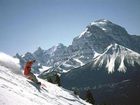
(16, 90)
(100, 34)
(96, 37)
(113, 75)
(117, 57)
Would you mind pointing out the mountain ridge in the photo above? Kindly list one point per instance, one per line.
(93, 41)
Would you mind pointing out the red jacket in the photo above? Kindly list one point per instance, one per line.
(27, 68)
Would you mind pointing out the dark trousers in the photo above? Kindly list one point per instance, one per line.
(32, 77)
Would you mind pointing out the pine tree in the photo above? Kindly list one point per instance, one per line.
(89, 97)
(76, 92)
(58, 80)
(50, 80)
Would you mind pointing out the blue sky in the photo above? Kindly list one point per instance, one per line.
(27, 24)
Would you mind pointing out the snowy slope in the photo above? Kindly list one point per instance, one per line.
(15, 90)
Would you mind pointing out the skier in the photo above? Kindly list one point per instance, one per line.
(28, 74)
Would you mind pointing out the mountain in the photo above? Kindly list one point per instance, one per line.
(16, 90)
(117, 57)
(113, 76)
(101, 33)
(103, 58)
(96, 37)
(135, 42)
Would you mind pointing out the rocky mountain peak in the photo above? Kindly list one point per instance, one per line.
(102, 22)
(39, 51)
(109, 27)
(55, 48)
(115, 48)
(59, 45)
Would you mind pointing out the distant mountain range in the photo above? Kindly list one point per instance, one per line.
(93, 41)
(103, 58)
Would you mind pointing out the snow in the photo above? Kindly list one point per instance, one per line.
(96, 54)
(66, 64)
(111, 64)
(104, 29)
(122, 66)
(15, 90)
(103, 24)
(77, 60)
(111, 58)
(10, 62)
(44, 68)
(99, 23)
(83, 33)
(23, 55)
